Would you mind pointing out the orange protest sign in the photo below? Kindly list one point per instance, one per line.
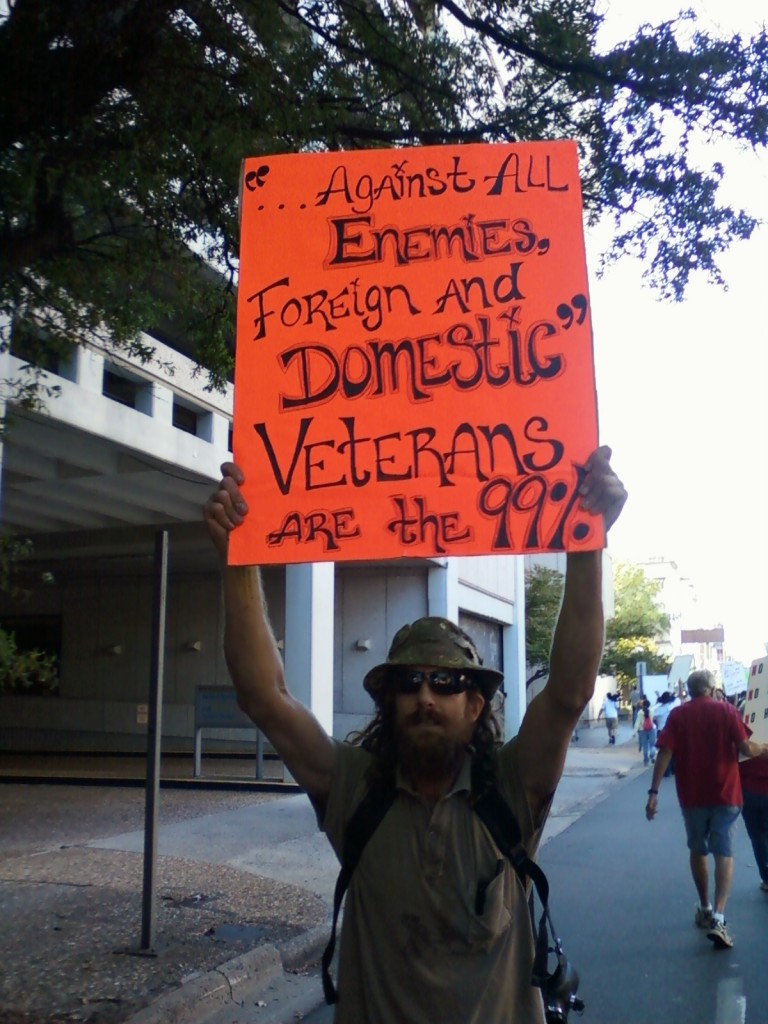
(414, 372)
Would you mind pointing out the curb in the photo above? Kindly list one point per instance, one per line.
(235, 981)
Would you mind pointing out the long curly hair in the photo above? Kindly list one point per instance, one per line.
(378, 738)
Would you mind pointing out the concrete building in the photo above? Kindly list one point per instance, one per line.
(706, 646)
(687, 633)
(127, 450)
(677, 596)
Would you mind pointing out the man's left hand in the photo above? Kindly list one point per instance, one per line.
(601, 492)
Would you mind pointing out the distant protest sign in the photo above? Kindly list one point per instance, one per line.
(733, 676)
(681, 668)
(414, 372)
(756, 703)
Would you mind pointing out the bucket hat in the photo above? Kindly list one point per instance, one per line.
(438, 643)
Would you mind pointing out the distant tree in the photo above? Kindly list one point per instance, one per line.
(543, 597)
(123, 125)
(634, 631)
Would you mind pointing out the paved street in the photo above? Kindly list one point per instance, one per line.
(623, 902)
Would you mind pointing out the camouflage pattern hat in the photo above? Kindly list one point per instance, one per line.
(437, 643)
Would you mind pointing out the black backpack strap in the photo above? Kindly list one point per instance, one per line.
(497, 816)
(366, 818)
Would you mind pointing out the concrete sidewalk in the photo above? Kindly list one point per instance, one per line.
(592, 768)
(245, 885)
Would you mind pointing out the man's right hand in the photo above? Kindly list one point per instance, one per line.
(651, 806)
(226, 508)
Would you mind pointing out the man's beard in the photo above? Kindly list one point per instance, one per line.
(428, 754)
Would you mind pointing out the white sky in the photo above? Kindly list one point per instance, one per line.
(683, 397)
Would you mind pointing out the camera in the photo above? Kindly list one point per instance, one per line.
(558, 991)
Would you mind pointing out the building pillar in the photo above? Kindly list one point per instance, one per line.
(156, 400)
(214, 428)
(6, 374)
(3, 412)
(309, 622)
(87, 369)
(513, 641)
(443, 589)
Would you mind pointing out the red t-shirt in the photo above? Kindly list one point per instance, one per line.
(754, 775)
(704, 735)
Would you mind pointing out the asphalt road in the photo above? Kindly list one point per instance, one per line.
(622, 901)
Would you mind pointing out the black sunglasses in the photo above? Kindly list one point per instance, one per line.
(441, 681)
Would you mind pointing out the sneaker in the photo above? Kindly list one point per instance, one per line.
(719, 935)
(703, 917)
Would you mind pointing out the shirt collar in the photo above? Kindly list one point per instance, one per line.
(463, 781)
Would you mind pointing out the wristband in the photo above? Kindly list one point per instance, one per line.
(653, 792)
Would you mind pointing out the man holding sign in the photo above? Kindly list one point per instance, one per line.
(419, 944)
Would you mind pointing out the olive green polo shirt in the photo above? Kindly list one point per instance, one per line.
(416, 946)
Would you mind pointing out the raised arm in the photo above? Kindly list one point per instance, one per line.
(577, 647)
(253, 658)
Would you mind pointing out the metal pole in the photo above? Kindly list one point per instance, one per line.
(154, 737)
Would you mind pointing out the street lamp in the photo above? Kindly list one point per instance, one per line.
(640, 668)
(640, 671)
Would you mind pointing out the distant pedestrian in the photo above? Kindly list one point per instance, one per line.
(754, 784)
(635, 700)
(661, 712)
(610, 709)
(646, 732)
(706, 737)
(666, 703)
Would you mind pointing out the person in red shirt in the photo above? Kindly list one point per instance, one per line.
(754, 785)
(706, 737)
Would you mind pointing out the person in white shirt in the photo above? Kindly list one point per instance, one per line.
(610, 709)
(667, 701)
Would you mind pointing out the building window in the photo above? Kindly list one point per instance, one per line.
(29, 345)
(184, 418)
(119, 388)
(488, 637)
